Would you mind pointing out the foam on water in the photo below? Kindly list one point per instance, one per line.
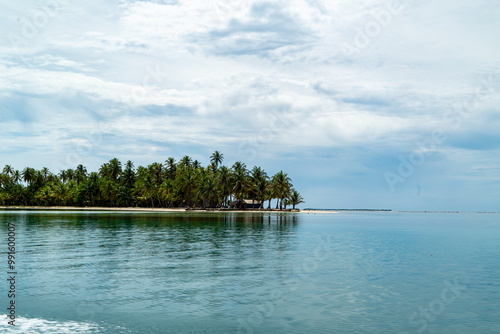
(34, 326)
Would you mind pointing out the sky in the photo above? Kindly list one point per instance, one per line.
(365, 104)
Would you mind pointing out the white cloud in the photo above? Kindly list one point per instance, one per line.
(205, 74)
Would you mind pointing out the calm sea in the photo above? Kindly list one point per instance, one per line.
(380, 272)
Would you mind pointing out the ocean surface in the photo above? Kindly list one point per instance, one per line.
(348, 272)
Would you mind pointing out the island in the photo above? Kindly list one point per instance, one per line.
(173, 184)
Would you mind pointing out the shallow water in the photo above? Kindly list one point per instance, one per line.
(389, 272)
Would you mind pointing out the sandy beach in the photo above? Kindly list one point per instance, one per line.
(74, 208)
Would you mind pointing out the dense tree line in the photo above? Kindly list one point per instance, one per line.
(185, 183)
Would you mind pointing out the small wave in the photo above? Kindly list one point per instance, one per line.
(35, 326)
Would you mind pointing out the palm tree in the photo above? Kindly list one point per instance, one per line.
(70, 174)
(185, 183)
(60, 192)
(186, 161)
(28, 175)
(16, 176)
(128, 176)
(196, 164)
(63, 176)
(295, 198)
(80, 174)
(269, 194)
(108, 191)
(216, 158)
(261, 188)
(51, 178)
(167, 192)
(238, 165)
(92, 188)
(208, 192)
(45, 172)
(171, 167)
(258, 174)
(258, 184)
(4, 180)
(8, 170)
(224, 183)
(115, 169)
(156, 171)
(44, 195)
(240, 180)
(282, 185)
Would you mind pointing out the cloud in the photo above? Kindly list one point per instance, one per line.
(266, 28)
(265, 81)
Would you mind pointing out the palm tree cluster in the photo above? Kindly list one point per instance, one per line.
(185, 183)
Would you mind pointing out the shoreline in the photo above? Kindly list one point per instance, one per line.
(165, 210)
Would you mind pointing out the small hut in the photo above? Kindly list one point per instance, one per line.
(246, 204)
(251, 204)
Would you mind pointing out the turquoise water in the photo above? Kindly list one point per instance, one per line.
(358, 272)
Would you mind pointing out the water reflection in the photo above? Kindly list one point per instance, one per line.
(123, 220)
(101, 266)
(263, 273)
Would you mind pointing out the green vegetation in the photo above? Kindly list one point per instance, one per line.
(185, 183)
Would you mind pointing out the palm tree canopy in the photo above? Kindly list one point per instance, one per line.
(186, 183)
(216, 158)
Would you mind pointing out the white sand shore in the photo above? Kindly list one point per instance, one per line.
(133, 209)
(76, 208)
